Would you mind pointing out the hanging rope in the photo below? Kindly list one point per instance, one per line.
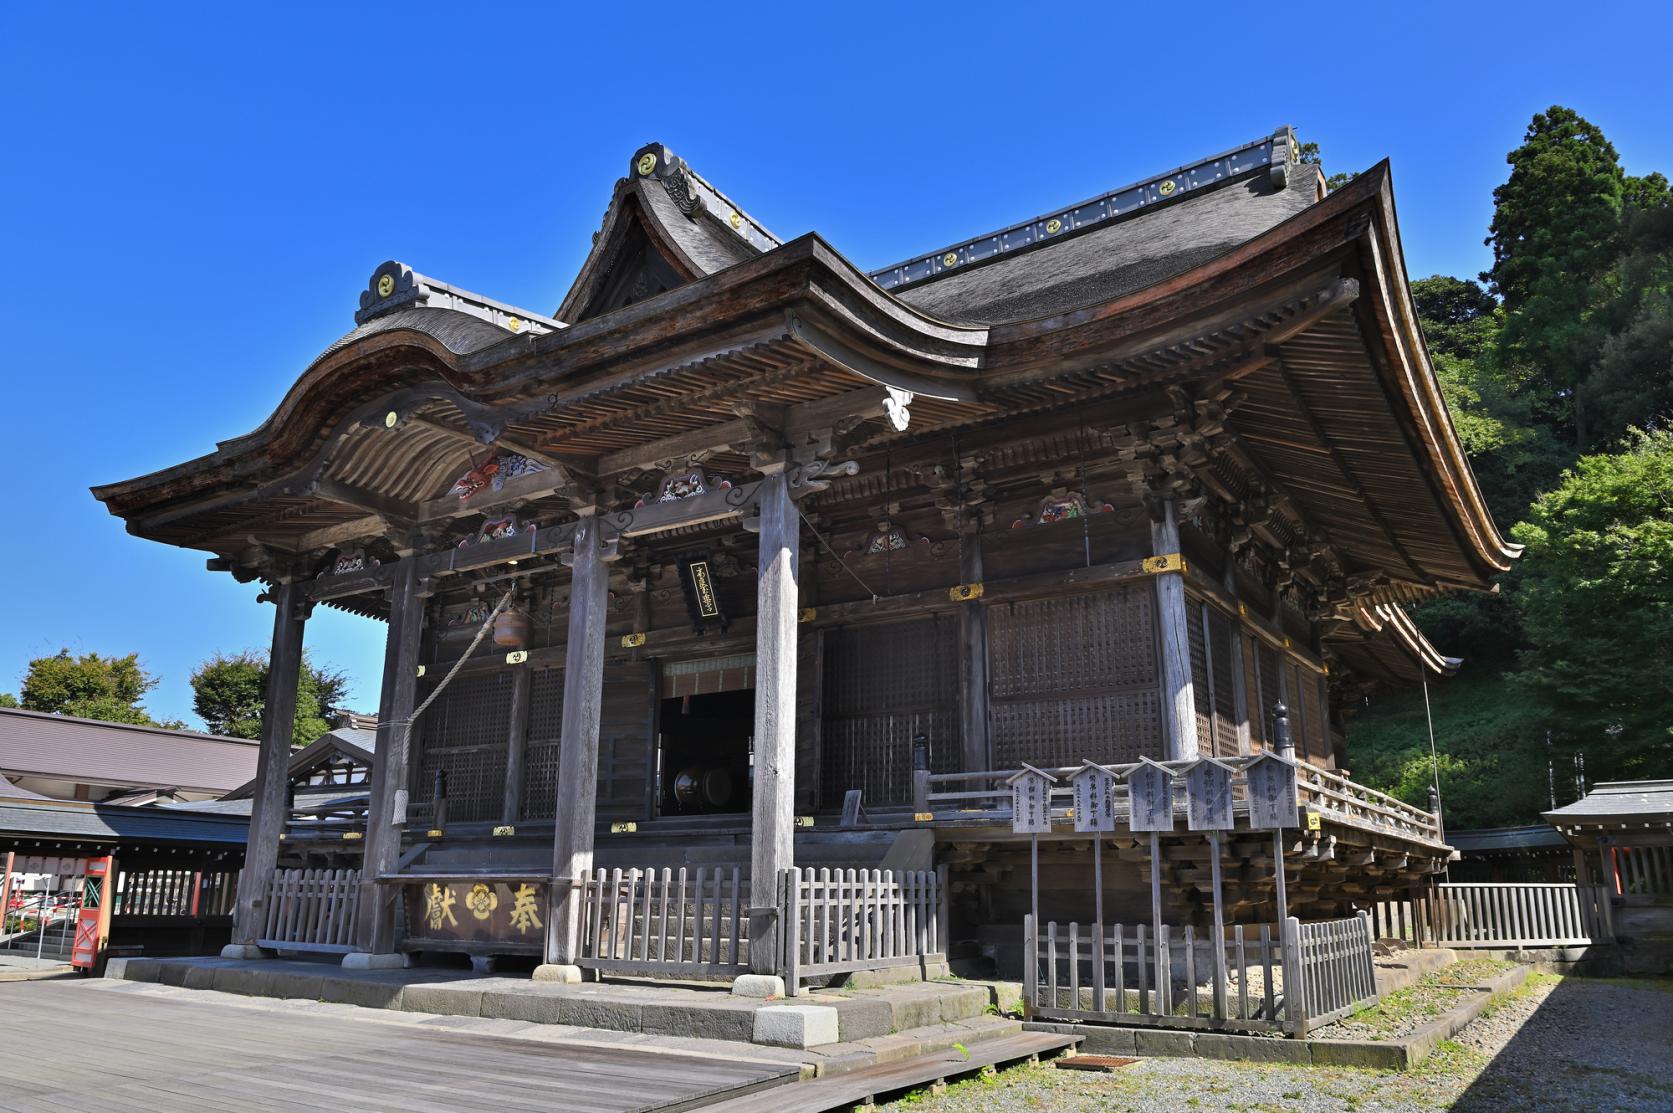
(827, 546)
(404, 726)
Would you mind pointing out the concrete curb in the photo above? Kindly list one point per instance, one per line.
(1401, 1054)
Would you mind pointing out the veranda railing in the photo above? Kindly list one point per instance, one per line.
(985, 797)
(1259, 978)
(841, 921)
(311, 910)
(666, 922)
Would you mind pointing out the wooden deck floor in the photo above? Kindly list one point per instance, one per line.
(80, 1046)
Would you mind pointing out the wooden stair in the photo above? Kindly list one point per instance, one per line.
(864, 1086)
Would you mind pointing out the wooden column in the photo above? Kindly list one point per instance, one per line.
(772, 836)
(1179, 708)
(267, 805)
(973, 664)
(583, 697)
(387, 817)
(516, 745)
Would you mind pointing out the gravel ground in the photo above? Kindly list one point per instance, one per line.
(1568, 1045)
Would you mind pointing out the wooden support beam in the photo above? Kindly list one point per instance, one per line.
(509, 444)
(267, 805)
(387, 816)
(1179, 709)
(973, 662)
(395, 510)
(773, 821)
(516, 745)
(583, 697)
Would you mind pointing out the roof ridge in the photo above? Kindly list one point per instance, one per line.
(62, 718)
(1275, 152)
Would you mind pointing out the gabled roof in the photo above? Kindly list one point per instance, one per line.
(666, 207)
(120, 755)
(1615, 803)
(105, 823)
(344, 743)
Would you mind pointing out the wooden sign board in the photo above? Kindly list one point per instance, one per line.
(1150, 798)
(1271, 782)
(1208, 796)
(455, 914)
(1031, 801)
(1094, 798)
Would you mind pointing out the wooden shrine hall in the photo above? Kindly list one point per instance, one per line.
(733, 590)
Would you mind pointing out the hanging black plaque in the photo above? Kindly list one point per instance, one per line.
(702, 598)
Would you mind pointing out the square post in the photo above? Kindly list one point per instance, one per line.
(268, 812)
(386, 819)
(583, 697)
(973, 663)
(772, 832)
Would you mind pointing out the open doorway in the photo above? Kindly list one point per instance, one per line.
(707, 753)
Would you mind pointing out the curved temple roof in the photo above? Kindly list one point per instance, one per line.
(1232, 275)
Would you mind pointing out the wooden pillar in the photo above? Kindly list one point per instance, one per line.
(973, 664)
(1179, 709)
(267, 805)
(772, 834)
(387, 817)
(516, 745)
(583, 697)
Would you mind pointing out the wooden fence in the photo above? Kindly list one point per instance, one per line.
(1128, 974)
(1497, 915)
(666, 922)
(174, 892)
(1338, 968)
(311, 910)
(840, 921)
(1643, 871)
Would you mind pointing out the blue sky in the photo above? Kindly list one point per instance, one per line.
(191, 199)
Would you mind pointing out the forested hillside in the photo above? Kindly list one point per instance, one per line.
(1558, 366)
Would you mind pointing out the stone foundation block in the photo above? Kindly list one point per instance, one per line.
(557, 972)
(1160, 1041)
(363, 960)
(246, 952)
(795, 1025)
(758, 985)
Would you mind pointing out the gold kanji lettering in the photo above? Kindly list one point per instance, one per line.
(525, 914)
(438, 907)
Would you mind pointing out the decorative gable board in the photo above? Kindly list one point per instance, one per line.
(1031, 801)
(1208, 795)
(1150, 797)
(1094, 788)
(1272, 801)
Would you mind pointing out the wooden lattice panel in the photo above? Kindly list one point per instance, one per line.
(540, 756)
(466, 732)
(1223, 657)
(883, 686)
(1075, 677)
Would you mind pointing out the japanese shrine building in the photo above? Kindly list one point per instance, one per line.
(739, 531)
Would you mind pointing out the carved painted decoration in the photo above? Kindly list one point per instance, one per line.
(493, 474)
(1061, 506)
(497, 529)
(895, 407)
(351, 561)
(890, 538)
(686, 483)
(472, 616)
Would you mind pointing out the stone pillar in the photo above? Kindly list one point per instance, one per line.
(1179, 709)
(772, 835)
(267, 806)
(386, 817)
(583, 696)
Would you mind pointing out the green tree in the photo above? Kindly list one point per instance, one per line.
(1597, 607)
(1556, 235)
(91, 687)
(7, 700)
(229, 692)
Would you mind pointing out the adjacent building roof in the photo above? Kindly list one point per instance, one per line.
(1618, 803)
(107, 824)
(119, 755)
(1506, 840)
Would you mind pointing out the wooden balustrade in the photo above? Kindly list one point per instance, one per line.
(666, 922)
(311, 910)
(984, 797)
(174, 893)
(839, 921)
